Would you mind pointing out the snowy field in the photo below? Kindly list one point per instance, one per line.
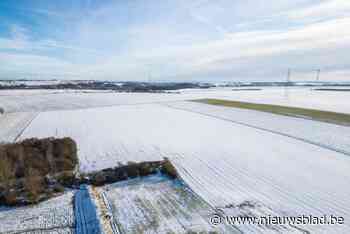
(157, 204)
(44, 100)
(12, 125)
(295, 97)
(31, 82)
(326, 135)
(241, 161)
(224, 162)
(53, 216)
(153, 131)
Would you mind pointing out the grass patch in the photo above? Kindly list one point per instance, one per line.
(324, 116)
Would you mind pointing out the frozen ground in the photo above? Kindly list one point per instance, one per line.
(53, 216)
(157, 204)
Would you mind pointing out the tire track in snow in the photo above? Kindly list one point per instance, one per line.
(264, 129)
(26, 126)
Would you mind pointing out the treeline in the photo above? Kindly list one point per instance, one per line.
(108, 85)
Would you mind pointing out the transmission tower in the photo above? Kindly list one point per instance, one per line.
(288, 76)
(318, 71)
(286, 91)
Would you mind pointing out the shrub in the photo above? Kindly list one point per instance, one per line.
(58, 188)
(6, 173)
(34, 185)
(10, 197)
(132, 169)
(169, 169)
(66, 178)
(146, 169)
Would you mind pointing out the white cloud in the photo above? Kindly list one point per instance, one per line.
(201, 39)
(322, 10)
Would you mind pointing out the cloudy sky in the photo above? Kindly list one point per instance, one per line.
(202, 40)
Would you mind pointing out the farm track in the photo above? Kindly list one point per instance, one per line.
(328, 147)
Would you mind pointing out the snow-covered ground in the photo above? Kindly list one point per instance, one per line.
(150, 132)
(242, 161)
(326, 135)
(30, 82)
(44, 100)
(224, 162)
(53, 216)
(296, 97)
(156, 204)
(12, 125)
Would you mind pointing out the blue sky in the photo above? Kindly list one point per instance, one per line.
(177, 40)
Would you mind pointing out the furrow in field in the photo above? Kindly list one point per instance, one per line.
(157, 204)
(226, 187)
